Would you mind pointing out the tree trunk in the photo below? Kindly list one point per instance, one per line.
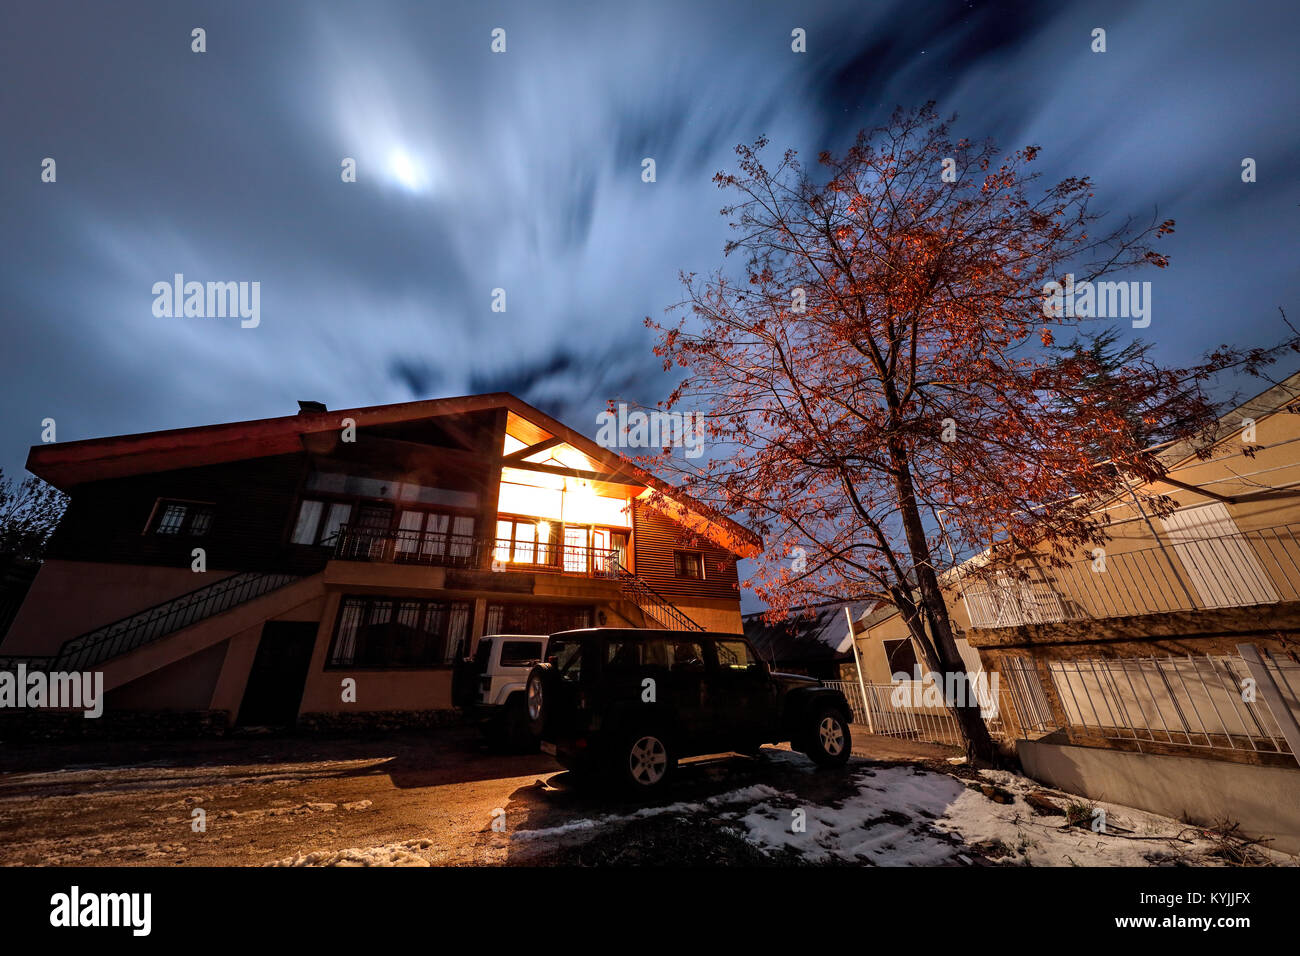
(979, 745)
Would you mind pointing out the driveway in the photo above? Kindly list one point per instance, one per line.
(442, 799)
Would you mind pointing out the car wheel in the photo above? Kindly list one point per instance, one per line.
(535, 701)
(827, 740)
(644, 762)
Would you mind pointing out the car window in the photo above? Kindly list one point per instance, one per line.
(566, 658)
(686, 657)
(519, 653)
(635, 654)
(736, 656)
(483, 653)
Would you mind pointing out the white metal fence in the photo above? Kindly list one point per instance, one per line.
(1206, 702)
(1211, 703)
(1189, 572)
(888, 710)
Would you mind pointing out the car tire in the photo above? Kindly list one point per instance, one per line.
(643, 762)
(535, 699)
(827, 739)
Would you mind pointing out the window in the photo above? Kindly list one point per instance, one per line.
(426, 535)
(900, 656)
(536, 618)
(525, 541)
(688, 564)
(635, 654)
(311, 529)
(736, 656)
(686, 657)
(363, 531)
(519, 653)
(182, 518)
(565, 656)
(385, 632)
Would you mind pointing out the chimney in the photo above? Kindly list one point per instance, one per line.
(311, 408)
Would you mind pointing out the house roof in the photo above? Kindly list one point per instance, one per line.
(66, 464)
(816, 633)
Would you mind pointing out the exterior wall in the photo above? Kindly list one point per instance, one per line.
(69, 598)
(107, 521)
(654, 538)
(721, 616)
(186, 685)
(377, 690)
(1261, 799)
(871, 644)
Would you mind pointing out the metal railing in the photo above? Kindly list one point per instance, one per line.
(1030, 713)
(1243, 569)
(1201, 702)
(407, 547)
(549, 558)
(896, 710)
(440, 549)
(653, 605)
(106, 642)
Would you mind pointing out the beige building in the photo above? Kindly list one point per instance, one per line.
(1163, 670)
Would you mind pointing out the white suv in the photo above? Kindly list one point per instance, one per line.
(500, 672)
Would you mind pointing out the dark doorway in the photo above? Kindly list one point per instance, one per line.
(275, 684)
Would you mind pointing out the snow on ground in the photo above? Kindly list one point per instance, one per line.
(876, 814)
(903, 816)
(390, 854)
(910, 816)
(744, 794)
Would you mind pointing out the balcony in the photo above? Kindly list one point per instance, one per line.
(465, 551)
(1245, 569)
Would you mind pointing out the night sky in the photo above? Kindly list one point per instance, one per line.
(522, 171)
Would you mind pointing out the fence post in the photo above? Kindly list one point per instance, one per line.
(857, 665)
(1272, 695)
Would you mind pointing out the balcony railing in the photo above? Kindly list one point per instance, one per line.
(465, 551)
(557, 558)
(407, 547)
(1244, 569)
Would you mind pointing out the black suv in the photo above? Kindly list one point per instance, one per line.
(631, 702)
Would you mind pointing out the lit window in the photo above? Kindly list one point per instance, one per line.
(688, 564)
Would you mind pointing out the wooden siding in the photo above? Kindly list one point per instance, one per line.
(654, 539)
(253, 504)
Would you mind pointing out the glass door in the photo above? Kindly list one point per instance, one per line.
(575, 550)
